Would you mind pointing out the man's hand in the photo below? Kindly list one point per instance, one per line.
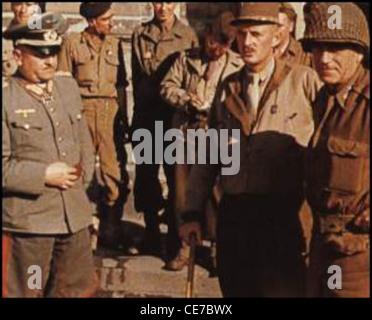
(195, 101)
(60, 175)
(187, 229)
(362, 221)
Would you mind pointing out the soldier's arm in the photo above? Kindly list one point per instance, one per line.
(171, 89)
(121, 85)
(65, 62)
(26, 177)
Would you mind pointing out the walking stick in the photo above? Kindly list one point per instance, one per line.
(191, 268)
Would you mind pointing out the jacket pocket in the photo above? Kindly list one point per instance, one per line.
(112, 66)
(348, 165)
(27, 133)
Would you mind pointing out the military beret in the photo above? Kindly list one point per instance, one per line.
(258, 12)
(41, 39)
(94, 9)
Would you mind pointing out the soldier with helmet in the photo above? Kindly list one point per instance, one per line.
(48, 163)
(339, 153)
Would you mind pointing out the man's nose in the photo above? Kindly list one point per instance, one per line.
(325, 56)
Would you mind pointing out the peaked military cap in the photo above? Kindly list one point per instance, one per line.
(94, 9)
(259, 12)
(46, 39)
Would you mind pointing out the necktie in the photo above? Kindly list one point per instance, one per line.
(253, 93)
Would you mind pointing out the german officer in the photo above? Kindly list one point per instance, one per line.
(338, 162)
(96, 60)
(48, 163)
(155, 46)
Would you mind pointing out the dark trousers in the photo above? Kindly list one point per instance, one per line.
(148, 195)
(259, 246)
(65, 261)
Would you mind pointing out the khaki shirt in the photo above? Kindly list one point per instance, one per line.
(271, 145)
(153, 54)
(97, 65)
(339, 154)
(36, 133)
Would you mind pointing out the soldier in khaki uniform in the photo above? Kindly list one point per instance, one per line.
(155, 46)
(258, 228)
(190, 87)
(289, 49)
(96, 60)
(48, 163)
(339, 154)
(21, 15)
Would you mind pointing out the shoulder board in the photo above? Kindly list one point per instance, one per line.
(64, 74)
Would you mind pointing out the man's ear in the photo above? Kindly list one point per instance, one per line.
(276, 37)
(91, 22)
(17, 53)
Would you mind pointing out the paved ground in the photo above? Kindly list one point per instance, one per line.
(124, 275)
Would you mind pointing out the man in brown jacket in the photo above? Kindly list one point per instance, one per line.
(339, 157)
(258, 228)
(155, 46)
(289, 49)
(190, 87)
(48, 162)
(96, 60)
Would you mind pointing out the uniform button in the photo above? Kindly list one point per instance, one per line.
(78, 116)
(57, 123)
(51, 110)
(27, 126)
(64, 154)
(60, 139)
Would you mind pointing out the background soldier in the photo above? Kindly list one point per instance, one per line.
(190, 87)
(48, 162)
(96, 60)
(155, 46)
(338, 162)
(289, 49)
(258, 228)
(21, 15)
